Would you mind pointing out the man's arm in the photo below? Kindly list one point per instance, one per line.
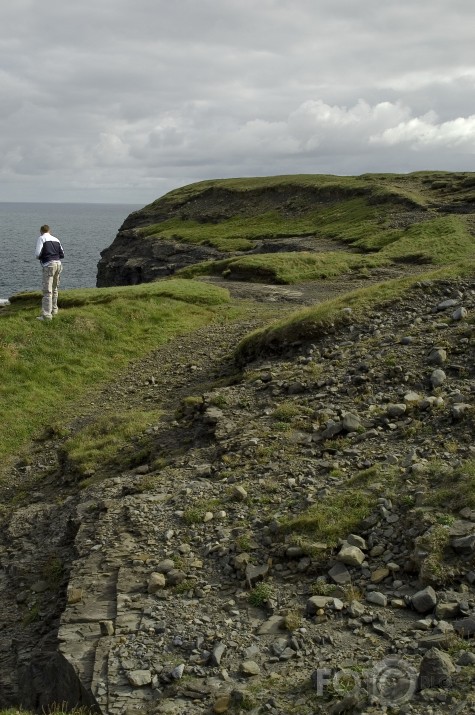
(39, 247)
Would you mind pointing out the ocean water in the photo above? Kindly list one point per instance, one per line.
(83, 229)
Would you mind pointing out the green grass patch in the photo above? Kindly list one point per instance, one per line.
(452, 489)
(332, 518)
(111, 440)
(286, 411)
(174, 288)
(47, 366)
(440, 241)
(352, 220)
(260, 594)
(195, 514)
(286, 268)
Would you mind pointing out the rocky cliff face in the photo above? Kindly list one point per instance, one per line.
(132, 259)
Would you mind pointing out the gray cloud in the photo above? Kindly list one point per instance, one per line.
(122, 100)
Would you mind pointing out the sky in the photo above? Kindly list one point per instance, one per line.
(121, 101)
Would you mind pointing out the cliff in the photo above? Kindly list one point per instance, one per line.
(216, 220)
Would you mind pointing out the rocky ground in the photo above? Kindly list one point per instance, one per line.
(198, 582)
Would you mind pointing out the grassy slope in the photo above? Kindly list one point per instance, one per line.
(45, 366)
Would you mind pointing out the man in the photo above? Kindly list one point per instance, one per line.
(49, 251)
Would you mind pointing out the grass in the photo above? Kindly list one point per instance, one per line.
(110, 440)
(452, 488)
(435, 541)
(441, 241)
(352, 220)
(260, 594)
(195, 514)
(47, 366)
(332, 518)
(286, 268)
(286, 411)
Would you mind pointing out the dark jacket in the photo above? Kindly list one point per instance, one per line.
(48, 249)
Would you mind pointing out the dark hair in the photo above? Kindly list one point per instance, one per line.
(45, 228)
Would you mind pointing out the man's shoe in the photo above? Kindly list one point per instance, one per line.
(42, 317)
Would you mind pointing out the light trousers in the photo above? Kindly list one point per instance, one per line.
(51, 274)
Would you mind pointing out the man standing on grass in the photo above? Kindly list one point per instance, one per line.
(49, 251)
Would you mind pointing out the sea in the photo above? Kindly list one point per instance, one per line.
(83, 229)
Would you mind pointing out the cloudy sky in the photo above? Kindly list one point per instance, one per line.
(122, 100)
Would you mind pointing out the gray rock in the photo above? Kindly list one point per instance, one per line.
(355, 540)
(378, 598)
(466, 658)
(256, 573)
(465, 627)
(464, 545)
(332, 429)
(446, 304)
(437, 356)
(340, 574)
(447, 610)
(138, 678)
(436, 670)
(351, 555)
(396, 410)
(217, 654)
(177, 672)
(165, 566)
(274, 624)
(438, 378)
(435, 640)
(250, 668)
(459, 410)
(175, 576)
(156, 582)
(412, 399)
(351, 422)
(356, 609)
(425, 600)
(316, 603)
(460, 313)
(239, 493)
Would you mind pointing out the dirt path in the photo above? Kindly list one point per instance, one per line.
(312, 292)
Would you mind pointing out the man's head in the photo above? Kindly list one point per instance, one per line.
(44, 229)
